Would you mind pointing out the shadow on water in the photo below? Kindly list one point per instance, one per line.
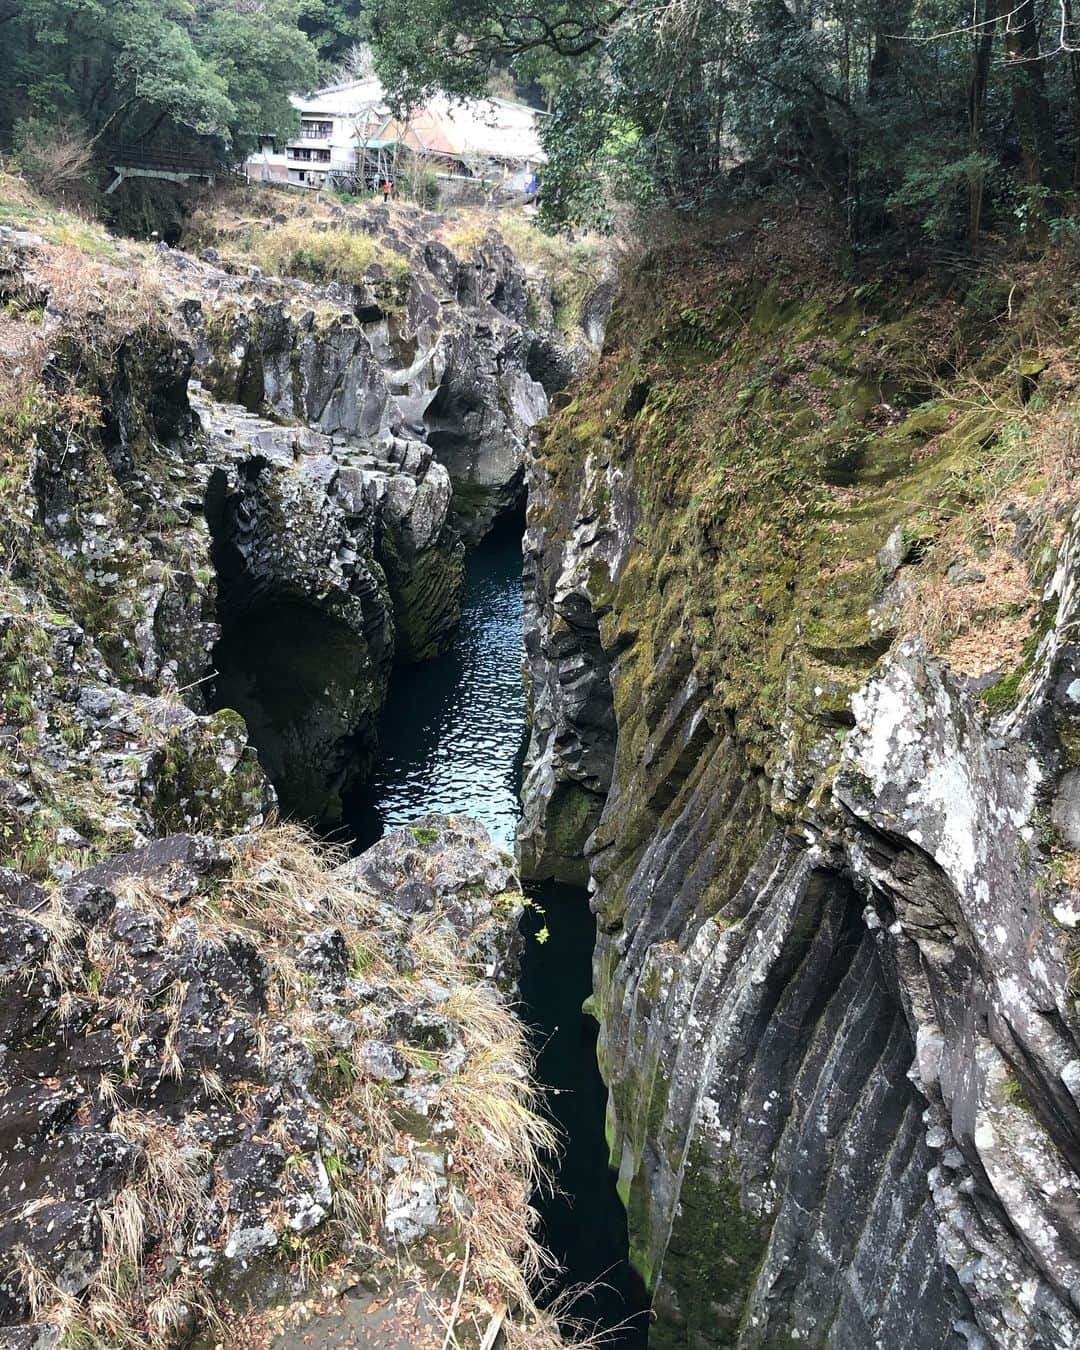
(452, 738)
(584, 1221)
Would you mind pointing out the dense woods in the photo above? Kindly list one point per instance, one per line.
(942, 117)
(935, 118)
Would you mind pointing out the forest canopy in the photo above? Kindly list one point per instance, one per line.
(127, 68)
(939, 118)
(952, 115)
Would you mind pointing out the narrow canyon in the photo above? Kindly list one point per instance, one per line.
(539, 789)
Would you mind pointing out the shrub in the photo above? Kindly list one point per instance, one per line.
(57, 158)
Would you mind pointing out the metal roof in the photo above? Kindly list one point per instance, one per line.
(466, 129)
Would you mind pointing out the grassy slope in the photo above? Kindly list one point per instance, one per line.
(780, 422)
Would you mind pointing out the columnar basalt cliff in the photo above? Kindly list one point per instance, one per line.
(801, 636)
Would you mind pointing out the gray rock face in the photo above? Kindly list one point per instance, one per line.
(446, 361)
(569, 560)
(296, 564)
(440, 864)
(192, 1084)
(841, 1051)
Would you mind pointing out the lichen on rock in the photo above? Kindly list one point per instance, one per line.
(835, 971)
(230, 1056)
(235, 1060)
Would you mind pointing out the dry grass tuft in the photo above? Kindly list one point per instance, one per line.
(148, 1215)
(980, 625)
(93, 305)
(281, 887)
(309, 238)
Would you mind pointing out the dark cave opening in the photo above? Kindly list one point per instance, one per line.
(300, 676)
(291, 671)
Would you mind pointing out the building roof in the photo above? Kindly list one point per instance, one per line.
(343, 100)
(466, 129)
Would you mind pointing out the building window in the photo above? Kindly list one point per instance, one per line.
(316, 131)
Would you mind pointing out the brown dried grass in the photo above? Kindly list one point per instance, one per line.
(980, 626)
(282, 886)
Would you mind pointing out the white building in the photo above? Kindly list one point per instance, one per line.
(349, 136)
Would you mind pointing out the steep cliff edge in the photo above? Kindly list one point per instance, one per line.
(235, 1068)
(277, 494)
(802, 564)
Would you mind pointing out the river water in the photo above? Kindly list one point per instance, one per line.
(452, 739)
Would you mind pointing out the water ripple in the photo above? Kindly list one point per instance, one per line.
(453, 731)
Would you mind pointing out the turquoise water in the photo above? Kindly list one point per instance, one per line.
(452, 739)
(452, 736)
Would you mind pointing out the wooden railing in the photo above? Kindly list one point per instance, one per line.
(121, 156)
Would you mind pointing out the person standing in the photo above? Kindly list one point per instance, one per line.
(387, 188)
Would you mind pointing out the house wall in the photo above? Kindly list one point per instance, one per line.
(326, 144)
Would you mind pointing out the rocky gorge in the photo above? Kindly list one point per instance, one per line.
(800, 632)
(239, 1066)
(800, 582)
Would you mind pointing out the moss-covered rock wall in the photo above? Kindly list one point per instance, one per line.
(780, 469)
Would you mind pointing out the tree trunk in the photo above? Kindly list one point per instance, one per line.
(1031, 107)
(1074, 67)
(892, 22)
(982, 49)
(818, 145)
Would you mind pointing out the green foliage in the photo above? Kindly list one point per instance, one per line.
(922, 120)
(135, 69)
(934, 190)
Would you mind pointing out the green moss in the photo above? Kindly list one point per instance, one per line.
(205, 778)
(712, 1258)
(571, 814)
(424, 834)
(1005, 692)
(1013, 1092)
(651, 984)
(1069, 735)
(601, 590)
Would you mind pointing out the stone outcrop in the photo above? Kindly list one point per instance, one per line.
(439, 352)
(230, 1059)
(185, 1068)
(192, 536)
(329, 561)
(282, 481)
(571, 747)
(835, 969)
